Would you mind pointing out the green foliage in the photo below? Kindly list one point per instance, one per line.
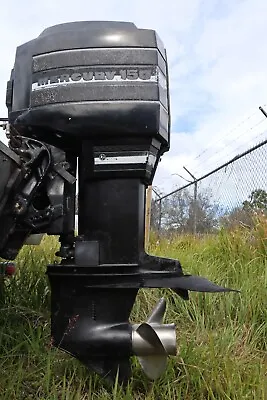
(257, 201)
(249, 213)
(221, 337)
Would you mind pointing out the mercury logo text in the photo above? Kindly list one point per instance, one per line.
(87, 76)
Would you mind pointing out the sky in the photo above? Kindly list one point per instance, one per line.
(217, 59)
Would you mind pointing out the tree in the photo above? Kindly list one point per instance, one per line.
(206, 213)
(179, 210)
(257, 201)
(239, 216)
(245, 214)
(156, 209)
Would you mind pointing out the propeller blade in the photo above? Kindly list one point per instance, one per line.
(157, 315)
(152, 341)
(153, 366)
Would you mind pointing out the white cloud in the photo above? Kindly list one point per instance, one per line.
(229, 58)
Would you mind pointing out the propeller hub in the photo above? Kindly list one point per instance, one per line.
(161, 342)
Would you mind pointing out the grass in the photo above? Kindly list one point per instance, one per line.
(221, 337)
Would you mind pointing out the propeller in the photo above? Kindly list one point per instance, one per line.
(153, 341)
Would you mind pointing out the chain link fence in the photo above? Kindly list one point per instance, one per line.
(228, 196)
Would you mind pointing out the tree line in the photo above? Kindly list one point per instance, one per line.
(184, 212)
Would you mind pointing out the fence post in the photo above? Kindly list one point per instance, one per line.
(148, 214)
(195, 208)
(160, 215)
(160, 208)
(195, 201)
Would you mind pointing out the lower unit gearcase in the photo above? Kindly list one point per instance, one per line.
(92, 298)
(92, 99)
